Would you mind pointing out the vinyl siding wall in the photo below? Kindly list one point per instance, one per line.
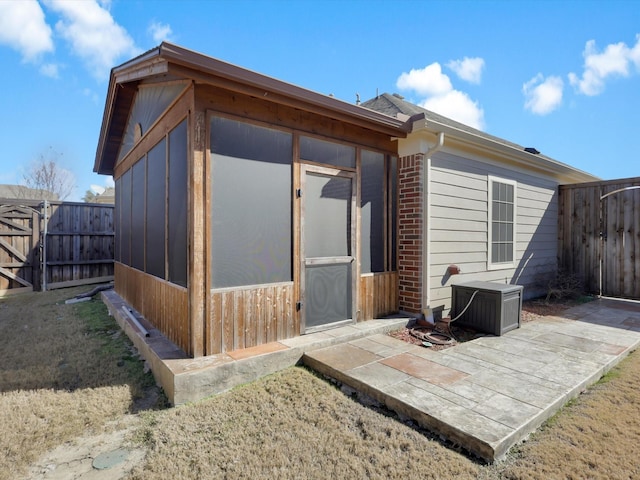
(459, 223)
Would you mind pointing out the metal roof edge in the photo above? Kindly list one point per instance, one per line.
(190, 58)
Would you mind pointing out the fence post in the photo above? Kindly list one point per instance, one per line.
(44, 246)
(35, 249)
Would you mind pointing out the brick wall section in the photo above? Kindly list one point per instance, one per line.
(410, 232)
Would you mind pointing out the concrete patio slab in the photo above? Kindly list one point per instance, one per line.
(490, 393)
(485, 395)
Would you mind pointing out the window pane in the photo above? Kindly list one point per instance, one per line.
(508, 257)
(137, 214)
(495, 252)
(372, 212)
(125, 218)
(177, 218)
(508, 193)
(321, 151)
(327, 216)
(502, 222)
(508, 236)
(155, 208)
(251, 204)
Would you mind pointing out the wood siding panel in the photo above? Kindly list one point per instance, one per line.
(249, 317)
(161, 303)
(378, 295)
(459, 227)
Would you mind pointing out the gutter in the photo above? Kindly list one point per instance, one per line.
(426, 215)
(515, 153)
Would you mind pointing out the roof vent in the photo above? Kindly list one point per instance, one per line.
(397, 95)
(531, 150)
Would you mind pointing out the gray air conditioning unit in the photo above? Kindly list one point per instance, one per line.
(495, 308)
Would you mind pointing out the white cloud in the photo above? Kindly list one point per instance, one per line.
(160, 31)
(91, 95)
(543, 95)
(50, 70)
(457, 106)
(93, 34)
(426, 81)
(468, 69)
(615, 60)
(23, 27)
(440, 95)
(97, 189)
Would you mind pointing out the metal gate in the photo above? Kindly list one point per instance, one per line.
(599, 236)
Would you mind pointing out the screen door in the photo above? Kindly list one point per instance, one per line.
(328, 245)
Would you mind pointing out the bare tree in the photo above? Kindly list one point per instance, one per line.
(89, 196)
(47, 177)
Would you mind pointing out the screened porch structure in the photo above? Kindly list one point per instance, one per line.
(248, 210)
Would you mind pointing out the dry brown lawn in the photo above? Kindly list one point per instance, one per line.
(66, 370)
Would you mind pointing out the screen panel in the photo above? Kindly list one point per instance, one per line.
(327, 228)
(125, 218)
(116, 219)
(155, 209)
(137, 214)
(372, 212)
(330, 153)
(251, 204)
(327, 294)
(177, 218)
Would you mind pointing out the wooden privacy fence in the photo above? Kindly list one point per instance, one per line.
(599, 236)
(47, 245)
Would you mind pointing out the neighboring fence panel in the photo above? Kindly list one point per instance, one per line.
(80, 242)
(599, 236)
(72, 243)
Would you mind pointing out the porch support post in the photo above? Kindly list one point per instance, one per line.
(196, 207)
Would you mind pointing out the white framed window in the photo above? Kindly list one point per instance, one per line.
(502, 223)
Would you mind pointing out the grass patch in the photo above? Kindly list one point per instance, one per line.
(596, 436)
(67, 370)
(64, 370)
(291, 425)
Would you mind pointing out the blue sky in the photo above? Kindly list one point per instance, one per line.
(561, 76)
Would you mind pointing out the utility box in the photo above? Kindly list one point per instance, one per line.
(495, 309)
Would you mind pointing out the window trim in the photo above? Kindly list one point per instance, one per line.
(491, 181)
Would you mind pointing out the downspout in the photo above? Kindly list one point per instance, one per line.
(426, 214)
